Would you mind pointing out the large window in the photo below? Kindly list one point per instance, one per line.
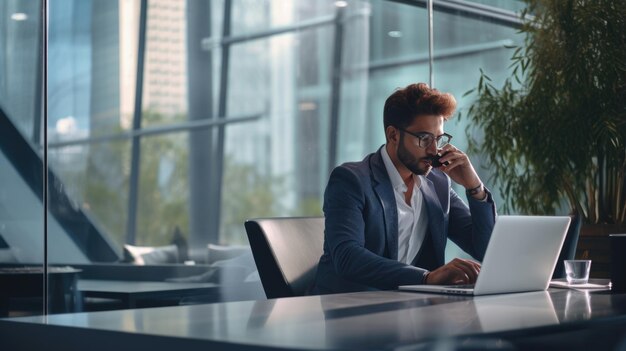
(294, 87)
(171, 122)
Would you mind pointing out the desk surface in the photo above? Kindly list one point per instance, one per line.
(366, 320)
(137, 287)
(131, 293)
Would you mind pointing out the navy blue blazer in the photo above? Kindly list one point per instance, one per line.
(361, 229)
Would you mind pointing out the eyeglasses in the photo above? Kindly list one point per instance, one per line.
(426, 139)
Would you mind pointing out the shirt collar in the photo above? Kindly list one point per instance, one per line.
(394, 176)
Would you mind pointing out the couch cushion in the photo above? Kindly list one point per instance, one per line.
(220, 252)
(149, 255)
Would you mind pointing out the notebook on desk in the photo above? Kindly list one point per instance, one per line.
(521, 256)
(592, 284)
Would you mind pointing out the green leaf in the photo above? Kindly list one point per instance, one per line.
(469, 92)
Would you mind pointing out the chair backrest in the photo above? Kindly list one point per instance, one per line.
(286, 252)
(568, 251)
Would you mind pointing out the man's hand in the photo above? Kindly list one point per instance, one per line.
(457, 271)
(460, 169)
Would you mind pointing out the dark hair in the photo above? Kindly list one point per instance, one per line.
(418, 99)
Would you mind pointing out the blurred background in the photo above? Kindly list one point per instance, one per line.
(160, 126)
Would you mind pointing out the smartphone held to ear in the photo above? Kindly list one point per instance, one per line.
(434, 161)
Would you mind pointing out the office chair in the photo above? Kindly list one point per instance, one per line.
(286, 252)
(568, 251)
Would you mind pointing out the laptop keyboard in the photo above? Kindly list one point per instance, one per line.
(462, 286)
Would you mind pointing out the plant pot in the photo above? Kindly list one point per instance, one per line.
(593, 244)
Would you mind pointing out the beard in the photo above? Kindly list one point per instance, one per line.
(409, 161)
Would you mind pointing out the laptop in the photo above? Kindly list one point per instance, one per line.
(521, 256)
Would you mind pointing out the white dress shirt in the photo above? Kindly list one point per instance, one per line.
(413, 219)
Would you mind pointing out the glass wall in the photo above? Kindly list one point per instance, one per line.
(21, 169)
(171, 122)
(292, 102)
(20, 61)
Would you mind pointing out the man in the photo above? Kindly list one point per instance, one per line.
(388, 216)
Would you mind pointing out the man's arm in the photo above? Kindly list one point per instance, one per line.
(471, 227)
(344, 209)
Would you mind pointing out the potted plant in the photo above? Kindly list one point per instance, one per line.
(554, 134)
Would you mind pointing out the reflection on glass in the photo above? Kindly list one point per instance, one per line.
(165, 68)
(315, 90)
(163, 190)
(462, 47)
(274, 166)
(394, 37)
(92, 176)
(577, 305)
(287, 78)
(515, 6)
(20, 64)
(21, 167)
(91, 75)
(251, 16)
(515, 311)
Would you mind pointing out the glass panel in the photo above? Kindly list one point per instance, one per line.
(514, 6)
(469, 36)
(21, 194)
(310, 105)
(92, 54)
(165, 70)
(20, 63)
(398, 31)
(95, 178)
(464, 46)
(92, 63)
(91, 158)
(275, 166)
(398, 56)
(163, 190)
(250, 16)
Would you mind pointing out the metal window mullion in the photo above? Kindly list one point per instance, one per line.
(208, 43)
(303, 25)
(335, 90)
(217, 171)
(44, 72)
(133, 189)
(431, 76)
(474, 11)
(39, 84)
(442, 54)
(201, 122)
(157, 130)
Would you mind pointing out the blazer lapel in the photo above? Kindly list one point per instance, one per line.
(436, 222)
(384, 191)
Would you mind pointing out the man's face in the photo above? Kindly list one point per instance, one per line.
(413, 157)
